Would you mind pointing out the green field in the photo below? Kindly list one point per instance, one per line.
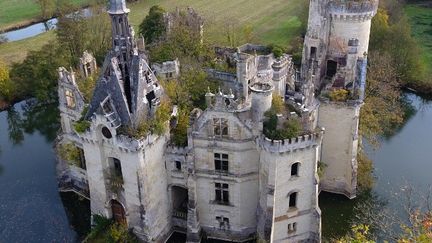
(271, 21)
(20, 12)
(421, 24)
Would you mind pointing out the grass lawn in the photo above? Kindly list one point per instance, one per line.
(16, 51)
(421, 23)
(271, 21)
(20, 12)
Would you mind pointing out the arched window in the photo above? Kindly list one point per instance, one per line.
(295, 169)
(292, 200)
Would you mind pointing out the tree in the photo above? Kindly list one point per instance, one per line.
(37, 75)
(383, 109)
(7, 89)
(71, 35)
(179, 133)
(153, 26)
(77, 33)
(47, 8)
(196, 83)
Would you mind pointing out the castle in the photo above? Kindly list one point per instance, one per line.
(231, 181)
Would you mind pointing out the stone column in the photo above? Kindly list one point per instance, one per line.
(193, 225)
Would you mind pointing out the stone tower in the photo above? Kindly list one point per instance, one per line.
(334, 59)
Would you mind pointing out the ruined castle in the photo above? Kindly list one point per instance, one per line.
(231, 181)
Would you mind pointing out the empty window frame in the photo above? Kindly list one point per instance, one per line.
(223, 222)
(70, 99)
(295, 169)
(220, 127)
(178, 165)
(292, 200)
(221, 162)
(292, 228)
(222, 193)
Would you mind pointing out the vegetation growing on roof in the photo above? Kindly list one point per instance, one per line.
(70, 153)
(290, 128)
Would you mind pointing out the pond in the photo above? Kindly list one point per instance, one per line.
(402, 162)
(32, 209)
(37, 28)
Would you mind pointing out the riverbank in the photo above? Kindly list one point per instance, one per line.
(22, 13)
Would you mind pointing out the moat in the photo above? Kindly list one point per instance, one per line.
(32, 209)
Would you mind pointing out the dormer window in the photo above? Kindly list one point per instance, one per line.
(220, 127)
(70, 99)
(107, 109)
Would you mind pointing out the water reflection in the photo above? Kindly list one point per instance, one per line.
(402, 165)
(31, 208)
(16, 133)
(33, 116)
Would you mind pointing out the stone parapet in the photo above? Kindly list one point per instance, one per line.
(292, 144)
(352, 10)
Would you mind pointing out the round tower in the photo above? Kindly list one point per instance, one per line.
(350, 20)
(261, 99)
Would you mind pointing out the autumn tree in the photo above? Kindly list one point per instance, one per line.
(77, 33)
(37, 75)
(7, 88)
(383, 109)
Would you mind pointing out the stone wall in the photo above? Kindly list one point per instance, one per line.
(340, 145)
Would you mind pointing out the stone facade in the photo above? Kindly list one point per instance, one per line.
(230, 181)
(335, 58)
(167, 70)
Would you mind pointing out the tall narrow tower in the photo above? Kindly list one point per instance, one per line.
(334, 59)
(122, 42)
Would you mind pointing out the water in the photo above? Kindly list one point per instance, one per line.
(402, 162)
(31, 208)
(38, 28)
(30, 31)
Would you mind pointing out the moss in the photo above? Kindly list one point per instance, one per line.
(81, 126)
(321, 168)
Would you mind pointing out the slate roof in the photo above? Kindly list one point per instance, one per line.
(111, 96)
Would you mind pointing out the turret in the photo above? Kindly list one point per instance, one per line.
(261, 97)
(350, 20)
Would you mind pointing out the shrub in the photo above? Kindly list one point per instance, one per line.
(339, 95)
(70, 153)
(292, 128)
(81, 126)
(277, 51)
(277, 104)
(179, 133)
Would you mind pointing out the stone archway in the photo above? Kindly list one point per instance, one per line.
(179, 200)
(118, 212)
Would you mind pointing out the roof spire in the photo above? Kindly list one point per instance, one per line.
(118, 7)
